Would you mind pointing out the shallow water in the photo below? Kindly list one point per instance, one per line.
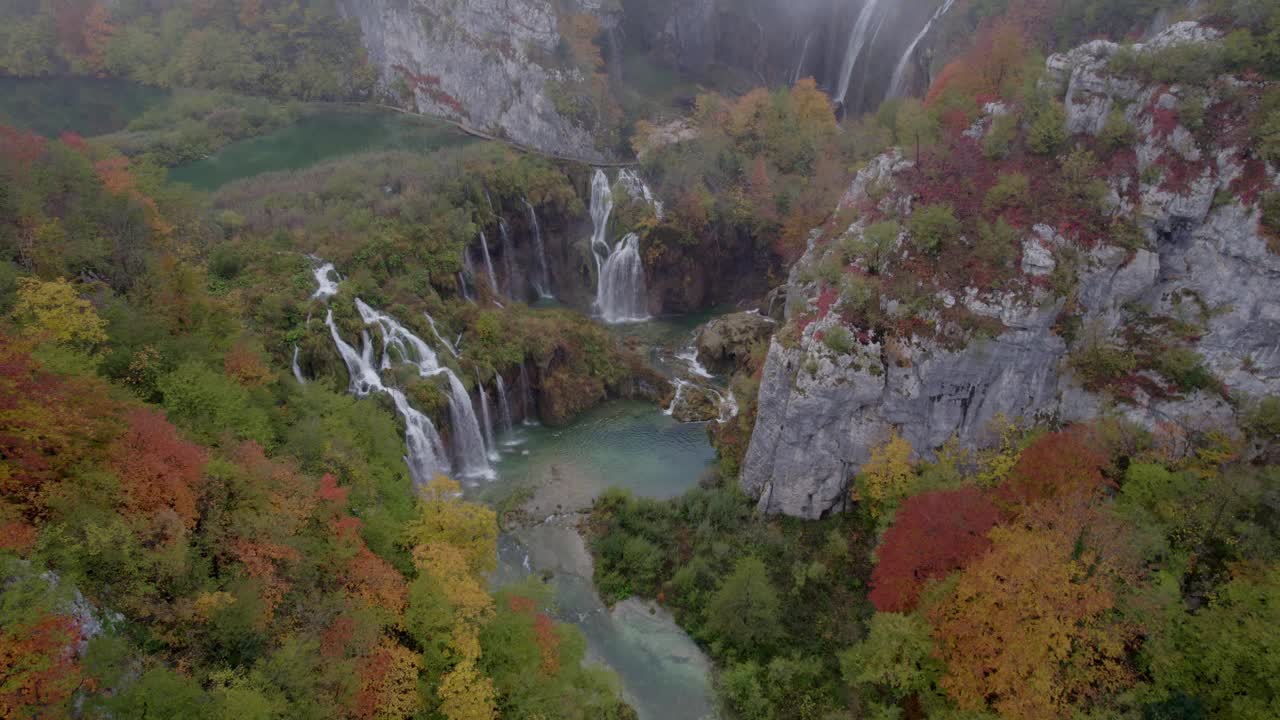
(315, 138)
(633, 445)
(85, 106)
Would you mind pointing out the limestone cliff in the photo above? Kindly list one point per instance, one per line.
(490, 64)
(1202, 265)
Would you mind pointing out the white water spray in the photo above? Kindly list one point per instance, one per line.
(297, 370)
(327, 279)
(897, 85)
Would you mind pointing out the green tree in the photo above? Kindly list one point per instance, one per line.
(897, 658)
(932, 226)
(744, 612)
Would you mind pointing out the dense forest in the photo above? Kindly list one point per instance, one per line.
(207, 511)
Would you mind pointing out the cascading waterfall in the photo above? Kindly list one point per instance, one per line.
(504, 407)
(508, 257)
(675, 399)
(470, 449)
(325, 280)
(897, 85)
(621, 296)
(689, 356)
(488, 420)
(804, 53)
(488, 265)
(426, 455)
(543, 287)
(297, 369)
(857, 41)
(526, 390)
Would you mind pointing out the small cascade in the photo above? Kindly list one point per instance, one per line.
(504, 408)
(466, 278)
(488, 421)
(469, 445)
(526, 391)
(426, 455)
(621, 297)
(297, 369)
(488, 265)
(675, 399)
(508, 257)
(897, 85)
(440, 338)
(466, 292)
(689, 356)
(327, 280)
(543, 286)
(857, 41)
(639, 190)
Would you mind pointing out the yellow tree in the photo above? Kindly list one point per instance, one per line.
(54, 311)
(1028, 630)
(467, 694)
(887, 476)
(443, 517)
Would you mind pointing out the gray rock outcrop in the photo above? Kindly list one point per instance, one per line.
(479, 62)
(1206, 264)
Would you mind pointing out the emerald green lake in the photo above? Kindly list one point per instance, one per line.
(325, 135)
(80, 105)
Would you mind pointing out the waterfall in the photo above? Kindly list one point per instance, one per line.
(690, 357)
(426, 455)
(488, 265)
(601, 209)
(675, 399)
(297, 370)
(328, 287)
(857, 41)
(508, 257)
(621, 296)
(526, 390)
(804, 53)
(503, 406)
(469, 444)
(639, 190)
(544, 286)
(897, 86)
(439, 338)
(488, 421)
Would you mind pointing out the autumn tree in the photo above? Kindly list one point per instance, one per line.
(886, 476)
(54, 310)
(1028, 632)
(1056, 466)
(443, 518)
(933, 534)
(157, 468)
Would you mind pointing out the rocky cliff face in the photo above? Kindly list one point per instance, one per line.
(486, 63)
(1205, 267)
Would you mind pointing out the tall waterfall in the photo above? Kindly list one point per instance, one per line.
(621, 296)
(543, 286)
(508, 257)
(504, 407)
(897, 85)
(426, 455)
(468, 442)
(526, 391)
(857, 41)
(488, 265)
(468, 271)
(804, 54)
(488, 420)
(620, 288)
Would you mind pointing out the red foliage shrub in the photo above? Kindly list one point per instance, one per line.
(38, 671)
(1056, 467)
(157, 468)
(20, 146)
(933, 534)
